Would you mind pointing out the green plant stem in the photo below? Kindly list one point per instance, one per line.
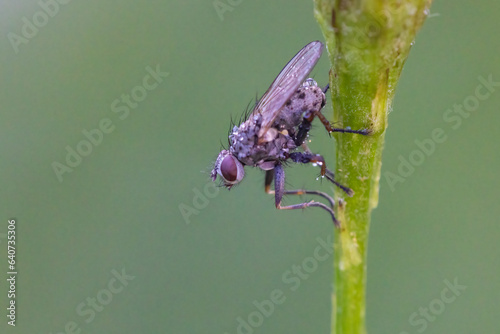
(368, 42)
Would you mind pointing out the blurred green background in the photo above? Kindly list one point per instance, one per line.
(118, 212)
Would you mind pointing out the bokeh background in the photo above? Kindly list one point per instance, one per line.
(119, 212)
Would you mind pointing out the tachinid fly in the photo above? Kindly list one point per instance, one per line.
(277, 127)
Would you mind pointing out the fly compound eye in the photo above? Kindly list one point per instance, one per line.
(231, 170)
(228, 169)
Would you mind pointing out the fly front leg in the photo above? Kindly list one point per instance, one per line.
(308, 157)
(279, 191)
(269, 180)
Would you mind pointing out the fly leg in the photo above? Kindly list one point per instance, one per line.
(326, 88)
(331, 129)
(305, 126)
(279, 191)
(308, 157)
(328, 173)
(269, 180)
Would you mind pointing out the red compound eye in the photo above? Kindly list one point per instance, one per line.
(228, 168)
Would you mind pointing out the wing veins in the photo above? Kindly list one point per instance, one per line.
(286, 83)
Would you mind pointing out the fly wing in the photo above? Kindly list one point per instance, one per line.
(285, 84)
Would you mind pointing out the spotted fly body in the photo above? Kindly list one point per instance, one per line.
(277, 128)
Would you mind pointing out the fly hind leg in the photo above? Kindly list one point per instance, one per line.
(328, 126)
(305, 125)
(331, 129)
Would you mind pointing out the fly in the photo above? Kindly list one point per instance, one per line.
(278, 126)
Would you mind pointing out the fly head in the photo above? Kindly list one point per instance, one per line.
(229, 168)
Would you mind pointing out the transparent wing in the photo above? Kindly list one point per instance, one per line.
(285, 84)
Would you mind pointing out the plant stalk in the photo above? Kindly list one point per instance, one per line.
(368, 42)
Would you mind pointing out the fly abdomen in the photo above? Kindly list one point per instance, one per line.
(307, 98)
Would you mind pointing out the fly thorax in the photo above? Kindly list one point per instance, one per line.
(246, 147)
(243, 138)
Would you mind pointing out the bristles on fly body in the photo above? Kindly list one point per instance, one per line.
(243, 117)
